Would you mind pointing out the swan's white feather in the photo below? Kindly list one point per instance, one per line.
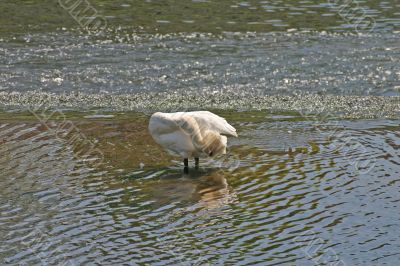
(213, 122)
(191, 134)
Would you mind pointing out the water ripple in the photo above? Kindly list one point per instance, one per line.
(287, 195)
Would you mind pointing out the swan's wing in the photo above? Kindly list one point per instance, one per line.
(191, 123)
(162, 123)
(209, 121)
(168, 132)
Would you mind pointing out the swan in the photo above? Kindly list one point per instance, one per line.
(191, 134)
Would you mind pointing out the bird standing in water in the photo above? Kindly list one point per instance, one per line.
(191, 134)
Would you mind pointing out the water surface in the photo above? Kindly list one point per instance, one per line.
(289, 185)
(313, 178)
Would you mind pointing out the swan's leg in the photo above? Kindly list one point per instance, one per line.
(196, 163)
(186, 164)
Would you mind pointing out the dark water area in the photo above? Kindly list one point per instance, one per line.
(151, 16)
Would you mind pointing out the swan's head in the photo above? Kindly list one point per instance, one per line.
(214, 144)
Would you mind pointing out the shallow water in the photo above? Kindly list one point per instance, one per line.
(292, 191)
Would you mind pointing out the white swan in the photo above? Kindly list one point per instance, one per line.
(191, 134)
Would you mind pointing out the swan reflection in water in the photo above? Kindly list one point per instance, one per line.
(208, 189)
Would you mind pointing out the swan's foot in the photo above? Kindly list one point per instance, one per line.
(186, 165)
(196, 163)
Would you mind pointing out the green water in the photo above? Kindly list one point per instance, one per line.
(201, 16)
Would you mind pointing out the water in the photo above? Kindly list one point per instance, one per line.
(287, 182)
(313, 178)
(318, 51)
(279, 63)
(204, 16)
